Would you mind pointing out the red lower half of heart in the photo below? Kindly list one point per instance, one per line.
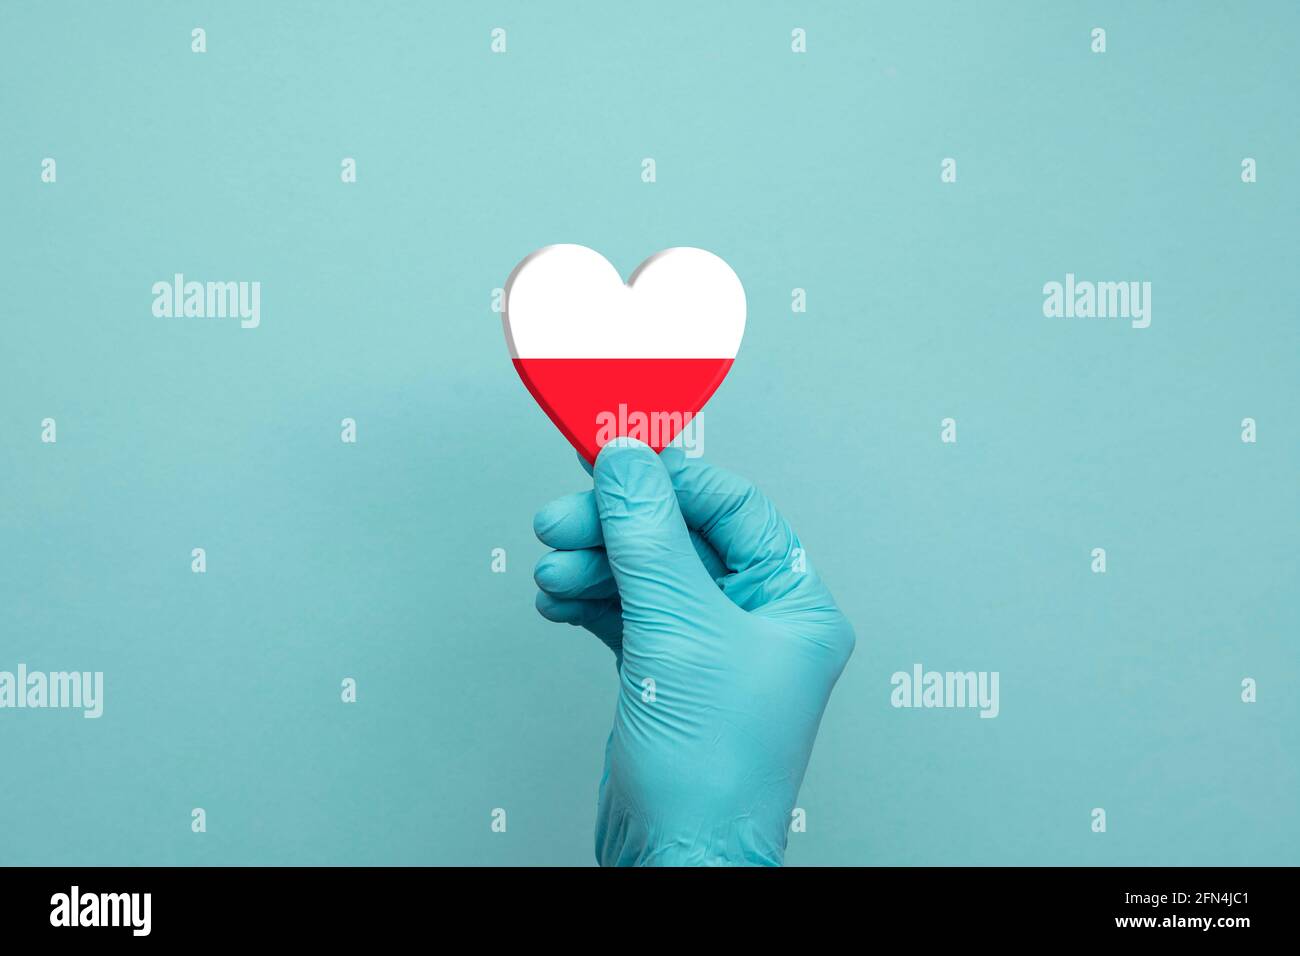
(593, 400)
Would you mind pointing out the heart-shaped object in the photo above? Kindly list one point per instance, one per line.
(606, 359)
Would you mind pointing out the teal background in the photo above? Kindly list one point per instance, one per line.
(819, 171)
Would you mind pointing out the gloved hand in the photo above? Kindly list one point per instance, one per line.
(727, 646)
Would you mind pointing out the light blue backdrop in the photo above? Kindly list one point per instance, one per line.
(816, 170)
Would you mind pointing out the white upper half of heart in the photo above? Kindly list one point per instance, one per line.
(568, 301)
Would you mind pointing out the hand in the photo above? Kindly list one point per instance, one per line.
(727, 646)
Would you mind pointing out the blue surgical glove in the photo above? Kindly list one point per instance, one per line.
(727, 645)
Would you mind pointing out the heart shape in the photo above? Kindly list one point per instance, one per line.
(606, 359)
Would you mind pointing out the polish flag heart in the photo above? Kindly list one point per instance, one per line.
(605, 359)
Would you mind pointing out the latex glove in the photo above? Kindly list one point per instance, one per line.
(727, 644)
